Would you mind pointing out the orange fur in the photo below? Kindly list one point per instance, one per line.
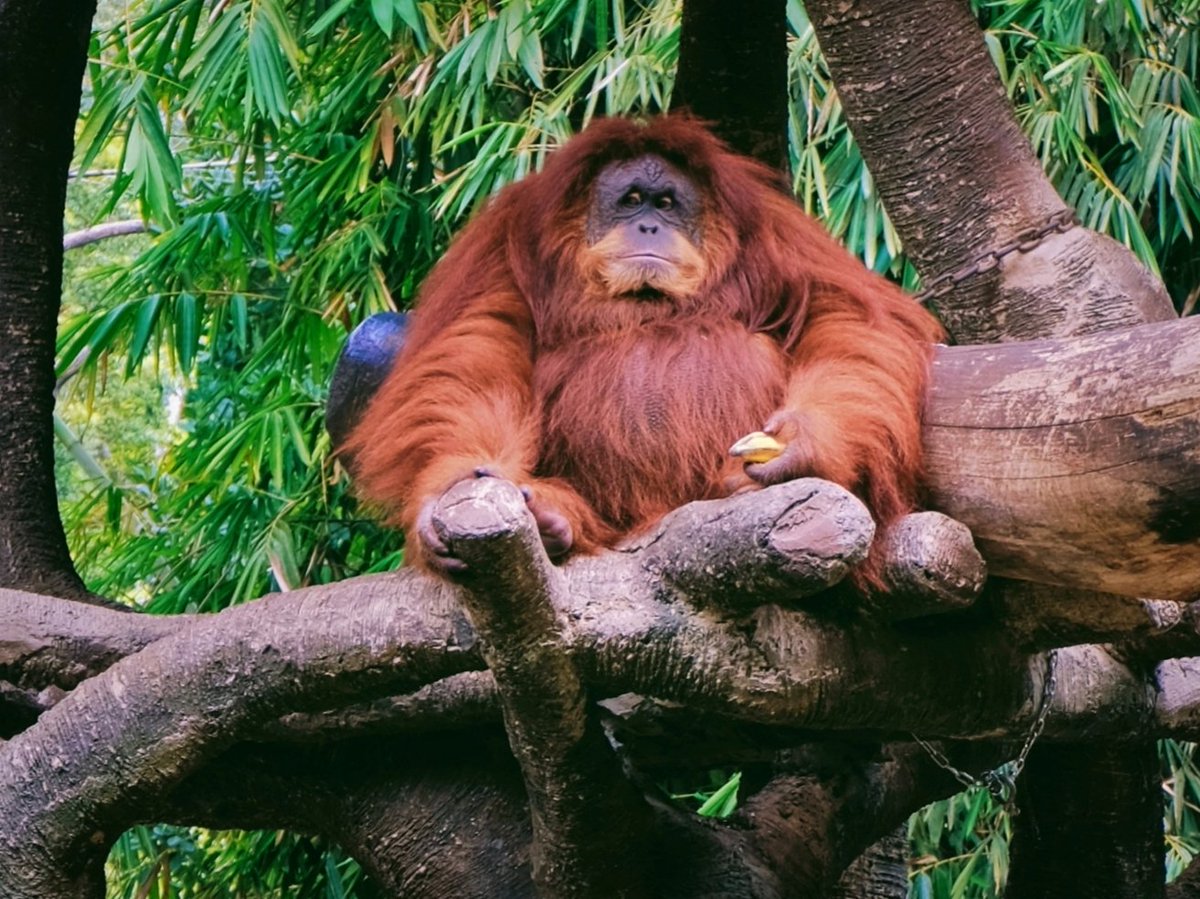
(617, 410)
(616, 276)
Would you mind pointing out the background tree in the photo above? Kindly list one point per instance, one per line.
(301, 167)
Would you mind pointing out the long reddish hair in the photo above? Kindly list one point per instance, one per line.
(512, 288)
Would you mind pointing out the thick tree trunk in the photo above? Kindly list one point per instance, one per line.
(1076, 799)
(41, 56)
(959, 179)
(733, 73)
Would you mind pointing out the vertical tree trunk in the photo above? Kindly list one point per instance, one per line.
(733, 72)
(1090, 823)
(42, 57)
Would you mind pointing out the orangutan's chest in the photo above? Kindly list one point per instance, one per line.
(661, 392)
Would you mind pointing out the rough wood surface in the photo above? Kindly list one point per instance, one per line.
(574, 782)
(805, 538)
(930, 565)
(1075, 461)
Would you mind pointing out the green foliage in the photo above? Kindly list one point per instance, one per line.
(720, 800)
(96, 447)
(829, 177)
(960, 848)
(960, 845)
(186, 863)
(1107, 93)
(1181, 786)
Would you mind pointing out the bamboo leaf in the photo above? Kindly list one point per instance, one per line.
(275, 429)
(299, 443)
(330, 17)
(723, 801)
(530, 56)
(187, 329)
(383, 12)
(411, 16)
(143, 327)
(495, 45)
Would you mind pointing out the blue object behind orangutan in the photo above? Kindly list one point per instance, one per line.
(365, 361)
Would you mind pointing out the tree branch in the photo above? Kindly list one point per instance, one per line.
(575, 786)
(1075, 461)
(127, 736)
(761, 546)
(932, 566)
(49, 641)
(77, 778)
(75, 239)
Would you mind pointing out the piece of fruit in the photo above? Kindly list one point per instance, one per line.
(757, 447)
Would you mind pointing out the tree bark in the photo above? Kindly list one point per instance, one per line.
(1092, 801)
(961, 183)
(572, 778)
(959, 178)
(104, 756)
(41, 56)
(879, 873)
(76, 239)
(74, 781)
(429, 816)
(316, 647)
(1075, 461)
(733, 73)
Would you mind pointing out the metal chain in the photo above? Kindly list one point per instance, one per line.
(1059, 222)
(1001, 781)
